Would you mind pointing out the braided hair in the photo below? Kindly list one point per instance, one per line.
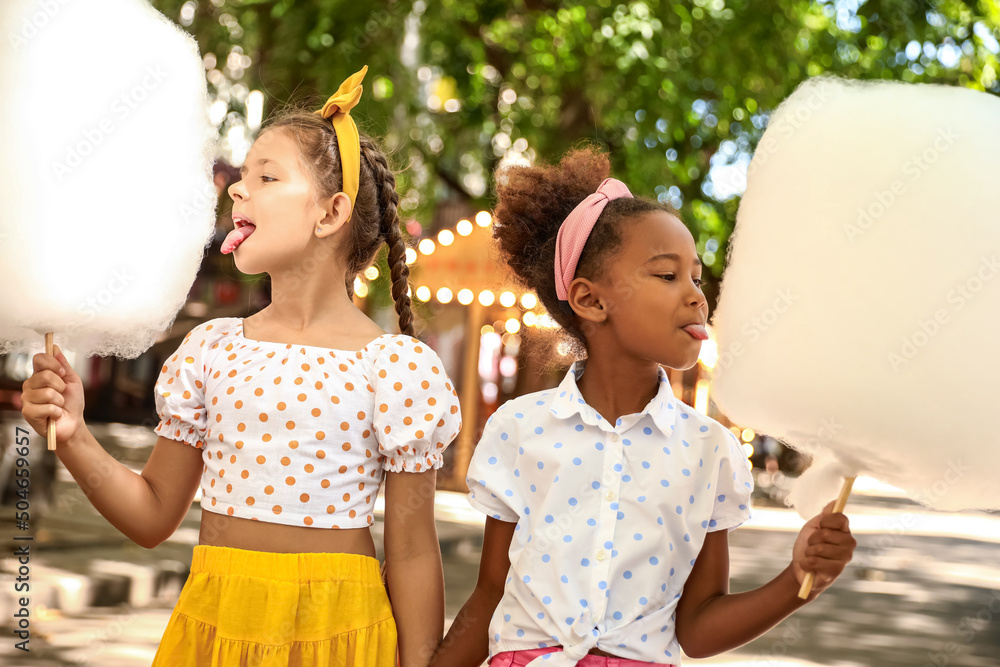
(375, 217)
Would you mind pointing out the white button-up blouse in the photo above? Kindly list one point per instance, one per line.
(610, 518)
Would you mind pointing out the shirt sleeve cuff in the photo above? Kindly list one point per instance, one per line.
(497, 511)
(177, 430)
(729, 522)
(412, 463)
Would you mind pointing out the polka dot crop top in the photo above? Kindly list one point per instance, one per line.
(303, 435)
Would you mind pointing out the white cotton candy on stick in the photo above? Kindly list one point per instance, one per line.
(106, 194)
(859, 316)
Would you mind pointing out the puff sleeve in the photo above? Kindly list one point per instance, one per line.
(417, 413)
(180, 389)
(733, 487)
(492, 487)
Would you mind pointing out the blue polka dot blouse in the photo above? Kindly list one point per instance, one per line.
(610, 517)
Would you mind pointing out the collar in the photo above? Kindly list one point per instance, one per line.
(567, 401)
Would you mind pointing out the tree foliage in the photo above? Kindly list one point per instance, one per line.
(675, 90)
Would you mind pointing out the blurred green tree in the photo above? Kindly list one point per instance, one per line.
(679, 92)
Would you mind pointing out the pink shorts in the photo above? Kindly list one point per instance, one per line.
(522, 658)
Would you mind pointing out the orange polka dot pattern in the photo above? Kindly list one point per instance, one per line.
(303, 435)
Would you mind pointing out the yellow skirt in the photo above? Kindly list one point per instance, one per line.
(267, 609)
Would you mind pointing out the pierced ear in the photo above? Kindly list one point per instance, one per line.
(586, 302)
(338, 211)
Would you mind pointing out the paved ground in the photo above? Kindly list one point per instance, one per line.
(924, 590)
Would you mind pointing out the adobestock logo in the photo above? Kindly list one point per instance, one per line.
(756, 326)
(95, 305)
(957, 298)
(121, 108)
(915, 167)
(31, 25)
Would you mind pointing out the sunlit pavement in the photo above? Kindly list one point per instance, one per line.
(923, 589)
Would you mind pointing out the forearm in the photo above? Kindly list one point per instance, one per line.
(467, 643)
(122, 496)
(728, 621)
(416, 589)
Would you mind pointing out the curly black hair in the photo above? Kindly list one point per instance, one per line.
(532, 203)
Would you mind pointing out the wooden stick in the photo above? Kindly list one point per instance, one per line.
(845, 491)
(50, 424)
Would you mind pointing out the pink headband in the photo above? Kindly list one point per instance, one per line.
(577, 227)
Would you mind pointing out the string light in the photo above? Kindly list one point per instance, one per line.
(371, 273)
(465, 296)
(545, 321)
(701, 396)
(513, 325)
(709, 354)
(360, 288)
(529, 318)
(490, 391)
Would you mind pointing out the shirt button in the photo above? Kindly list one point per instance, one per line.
(615, 437)
(601, 555)
(611, 495)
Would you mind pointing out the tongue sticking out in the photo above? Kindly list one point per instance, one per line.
(236, 237)
(697, 331)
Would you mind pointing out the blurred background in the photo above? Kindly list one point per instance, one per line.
(679, 93)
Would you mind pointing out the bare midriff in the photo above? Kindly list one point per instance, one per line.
(220, 530)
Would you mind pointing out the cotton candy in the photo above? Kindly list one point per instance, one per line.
(106, 194)
(859, 316)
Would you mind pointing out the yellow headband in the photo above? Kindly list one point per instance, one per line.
(338, 110)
